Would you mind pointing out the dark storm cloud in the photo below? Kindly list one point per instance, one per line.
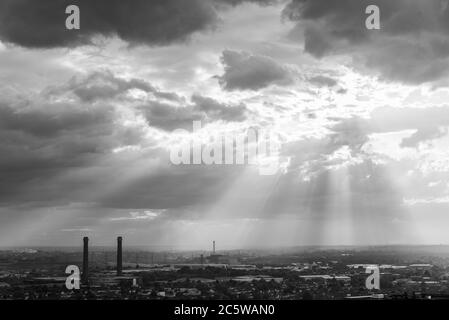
(104, 85)
(168, 117)
(58, 145)
(165, 110)
(412, 45)
(52, 119)
(41, 140)
(244, 71)
(41, 24)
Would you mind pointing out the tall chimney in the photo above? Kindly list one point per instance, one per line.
(85, 275)
(119, 256)
(213, 247)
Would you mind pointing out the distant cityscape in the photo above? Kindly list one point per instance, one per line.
(406, 272)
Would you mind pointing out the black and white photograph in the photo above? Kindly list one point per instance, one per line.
(224, 150)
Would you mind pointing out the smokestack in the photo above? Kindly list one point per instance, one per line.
(119, 256)
(85, 276)
(213, 247)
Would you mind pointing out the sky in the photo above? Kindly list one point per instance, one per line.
(88, 118)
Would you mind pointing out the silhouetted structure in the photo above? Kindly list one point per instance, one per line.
(85, 275)
(213, 247)
(119, 256)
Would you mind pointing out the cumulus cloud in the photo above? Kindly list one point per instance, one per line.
(323, 81)
(345, 143)
(244, 71)
(218, 111)
(342, 146)
(169, 117)
(163, 110)
(411, 46)
(424, 134)
(428, 124)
